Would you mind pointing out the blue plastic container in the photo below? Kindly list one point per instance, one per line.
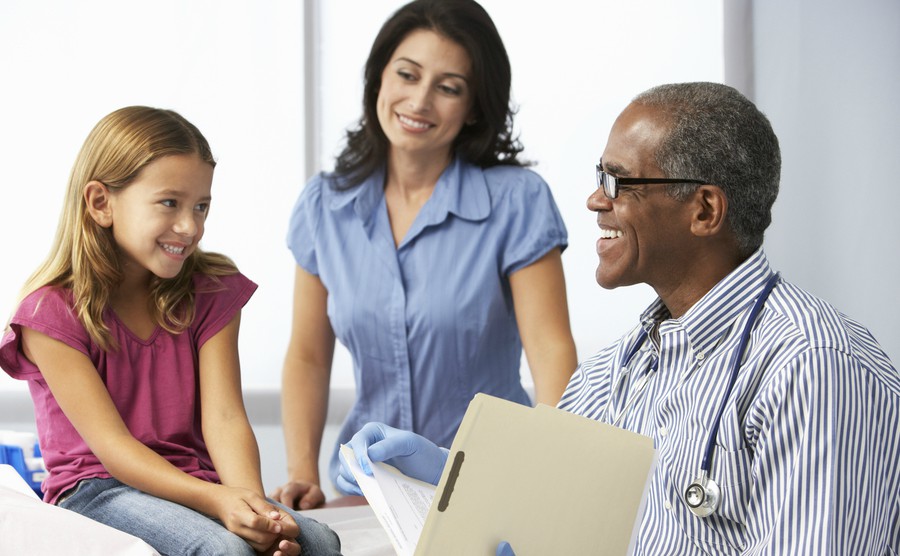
(30, 465)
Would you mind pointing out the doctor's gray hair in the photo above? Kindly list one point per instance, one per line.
(718, 136)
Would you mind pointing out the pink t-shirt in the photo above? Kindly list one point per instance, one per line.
(153, 383)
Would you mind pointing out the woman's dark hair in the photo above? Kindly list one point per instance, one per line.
(488, 141)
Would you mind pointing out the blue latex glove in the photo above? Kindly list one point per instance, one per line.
(503, 549)
(414, 455)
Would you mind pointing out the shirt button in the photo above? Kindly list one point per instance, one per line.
(667, 506)
(663, 431)
(701, 356)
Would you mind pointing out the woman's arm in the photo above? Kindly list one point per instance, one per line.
(83, 398)
(304, 396)
(542, 314)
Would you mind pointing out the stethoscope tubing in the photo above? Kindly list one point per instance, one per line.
(735, 369)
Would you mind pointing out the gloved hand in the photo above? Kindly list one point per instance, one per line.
(414, 455)
(503, 549)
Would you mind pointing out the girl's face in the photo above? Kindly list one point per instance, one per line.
(426, 94)
(158, 219)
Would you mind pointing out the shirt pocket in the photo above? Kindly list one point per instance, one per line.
(730, 470)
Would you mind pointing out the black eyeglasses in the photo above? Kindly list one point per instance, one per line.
(610, 183)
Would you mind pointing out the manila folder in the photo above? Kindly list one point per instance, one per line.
(542, 479)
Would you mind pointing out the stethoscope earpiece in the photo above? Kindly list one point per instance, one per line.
(702, 496)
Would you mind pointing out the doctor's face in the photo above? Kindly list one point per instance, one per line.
(643, 231)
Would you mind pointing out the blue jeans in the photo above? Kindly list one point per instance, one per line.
(175, 530)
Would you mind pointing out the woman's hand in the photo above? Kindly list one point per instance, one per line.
(299, 495)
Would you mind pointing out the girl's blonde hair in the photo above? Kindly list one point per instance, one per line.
(84, 257)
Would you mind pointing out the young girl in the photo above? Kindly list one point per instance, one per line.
(127, 336)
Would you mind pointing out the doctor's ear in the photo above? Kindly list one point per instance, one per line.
(710, 208)
(96, 198)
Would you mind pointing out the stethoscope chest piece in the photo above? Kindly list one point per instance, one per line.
(702, 496)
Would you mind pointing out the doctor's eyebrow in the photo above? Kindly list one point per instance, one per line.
(616, 169)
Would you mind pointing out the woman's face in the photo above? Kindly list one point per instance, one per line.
(426, 95)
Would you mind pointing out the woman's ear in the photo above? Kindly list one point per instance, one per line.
(711, 206)
(96, 198)
(472, 116)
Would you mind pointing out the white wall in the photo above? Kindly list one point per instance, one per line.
(235, 69)
(575, 67)
(827, 73)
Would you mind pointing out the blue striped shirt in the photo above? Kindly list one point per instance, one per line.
(808, 450)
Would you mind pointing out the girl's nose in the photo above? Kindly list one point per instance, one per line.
(187, 225)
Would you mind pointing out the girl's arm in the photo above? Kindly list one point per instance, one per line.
(542, 314)
(82, 396)
(304, 394)
(226, 428)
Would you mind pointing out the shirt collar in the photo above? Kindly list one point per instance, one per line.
(461, 190)
(716, 311)
(365, 196)
(465, 193)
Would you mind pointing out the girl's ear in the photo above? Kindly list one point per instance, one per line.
(96, 198)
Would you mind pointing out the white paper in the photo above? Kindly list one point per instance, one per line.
(11, 479)
(29, 526)
(399, 502)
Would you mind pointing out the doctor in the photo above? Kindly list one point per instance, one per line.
(776, 418)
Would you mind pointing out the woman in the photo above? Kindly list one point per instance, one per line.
(430, 252)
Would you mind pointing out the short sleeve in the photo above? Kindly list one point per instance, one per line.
(534, 225)
(217, 301)
(49, 311)
(304, 225)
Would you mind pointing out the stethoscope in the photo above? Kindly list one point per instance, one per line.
(703, 495)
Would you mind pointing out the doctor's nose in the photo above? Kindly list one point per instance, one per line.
(598, 201)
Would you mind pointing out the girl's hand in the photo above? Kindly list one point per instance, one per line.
(285, 546)
(257, 521)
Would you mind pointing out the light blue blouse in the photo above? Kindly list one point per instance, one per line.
(429, 323)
